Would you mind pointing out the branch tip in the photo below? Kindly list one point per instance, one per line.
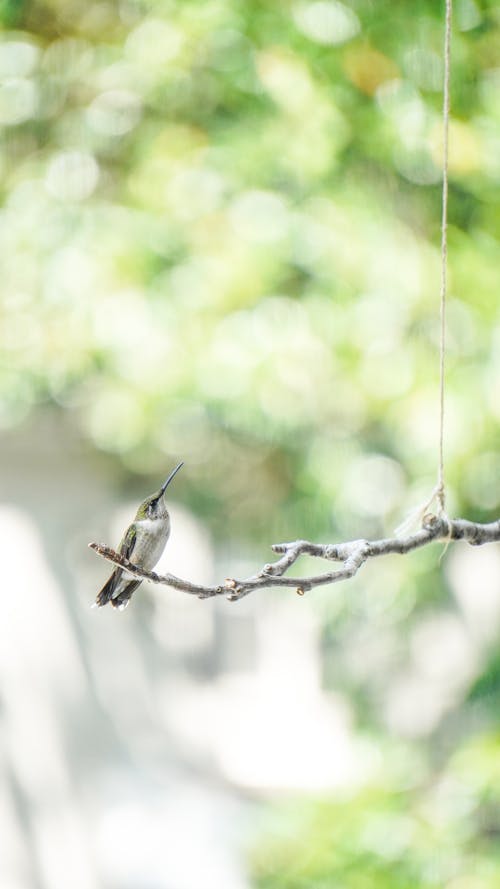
(279, 547)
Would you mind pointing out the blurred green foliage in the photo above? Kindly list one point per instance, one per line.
(425, 831)
(220, 243)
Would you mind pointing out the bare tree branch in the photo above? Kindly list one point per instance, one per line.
(352, 555)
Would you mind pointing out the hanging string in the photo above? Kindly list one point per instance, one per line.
(439, 491)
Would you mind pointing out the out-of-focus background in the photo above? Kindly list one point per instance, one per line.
(220, 244)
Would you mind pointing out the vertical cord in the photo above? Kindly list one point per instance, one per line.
(440, 491)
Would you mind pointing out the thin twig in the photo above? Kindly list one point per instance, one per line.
(352, 555)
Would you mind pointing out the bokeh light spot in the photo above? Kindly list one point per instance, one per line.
(72, 175)
(327, 21)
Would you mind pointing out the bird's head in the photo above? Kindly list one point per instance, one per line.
(154, 507)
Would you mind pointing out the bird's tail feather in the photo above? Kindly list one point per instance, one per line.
(104, 595)
(123, 598)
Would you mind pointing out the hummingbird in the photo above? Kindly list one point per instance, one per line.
(143, 543)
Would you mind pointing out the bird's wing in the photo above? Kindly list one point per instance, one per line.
(128, 543)
(126, 548)
(120, 597)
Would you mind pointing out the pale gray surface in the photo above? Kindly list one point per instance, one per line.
(96, 790)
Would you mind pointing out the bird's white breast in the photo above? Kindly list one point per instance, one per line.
(152, 536)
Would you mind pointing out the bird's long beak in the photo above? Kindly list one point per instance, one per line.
(169, 479)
